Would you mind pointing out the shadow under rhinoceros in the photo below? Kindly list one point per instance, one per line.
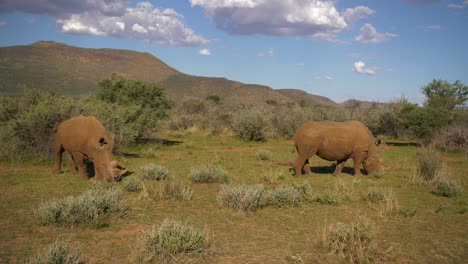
(331, 169)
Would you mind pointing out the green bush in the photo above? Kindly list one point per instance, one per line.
(154, 172)
(423, 122)
(354, 241)
(249, 125)
(171, 240)
(208, 174)
(30, 128)
(92, 208)
(241, 198)
(447, 188)
(59, 252)
(284, 195)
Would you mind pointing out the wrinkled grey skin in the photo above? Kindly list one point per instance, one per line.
(84, 137)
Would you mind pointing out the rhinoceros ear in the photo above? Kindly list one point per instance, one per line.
(377, 142)
(102, 141)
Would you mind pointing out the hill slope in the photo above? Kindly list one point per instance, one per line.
(75, 71)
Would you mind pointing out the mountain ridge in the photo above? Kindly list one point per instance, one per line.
(75, 71)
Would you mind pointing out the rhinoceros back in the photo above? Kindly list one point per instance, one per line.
(75, 133)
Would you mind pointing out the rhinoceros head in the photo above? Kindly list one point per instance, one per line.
(106, 168)
(373, 164)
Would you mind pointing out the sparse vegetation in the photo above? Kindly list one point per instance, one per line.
(167, 190)
(241, 198)
(171, 241)
(353, 241)
(447, 188)
(154, 172)
(429, 162)
(208, 174)
(92, 208)
(328, 197)
(59, 252)
(283, 196)
(132, 185)
(263, 154)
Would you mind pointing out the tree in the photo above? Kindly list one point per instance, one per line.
(129, 108)
(444, 95)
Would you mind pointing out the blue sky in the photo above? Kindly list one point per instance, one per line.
(375, 50)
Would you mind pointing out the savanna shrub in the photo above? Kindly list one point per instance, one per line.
(208, 174)
(328, 197)
(176, 190)
(286, 120)
(453, 137)
(250, 125)
(132, 185)
(154, 172)
(29, 129)
(354, 241)
(59, 252)
(263, 154)
(170, 240)
(92, 208)
(138, 104)
(422, 122)
(283, 195)
(241, 198)
(447, 188)
(429, 162)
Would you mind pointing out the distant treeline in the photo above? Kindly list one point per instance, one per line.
(135, 109)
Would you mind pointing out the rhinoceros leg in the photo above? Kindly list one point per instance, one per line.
(80, 164)
(71, 165)
(339, 167)
(58, 151)
(306, 167)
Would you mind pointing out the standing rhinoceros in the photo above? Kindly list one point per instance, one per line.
(84, 137)
(336, 141)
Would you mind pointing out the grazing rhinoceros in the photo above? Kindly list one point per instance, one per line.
(336, 141)
(84, 137)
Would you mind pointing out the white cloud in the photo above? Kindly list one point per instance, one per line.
(268, 53)
(161, 27)
(113, 18)
(370, 35)
(352, 15)
(459, 6)
(138, 28)
(328, 77)
(359, 67)
(317, 18)
(432, 27)
(3, 23)
(205, 52)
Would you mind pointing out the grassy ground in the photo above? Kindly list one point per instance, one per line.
(427, 228)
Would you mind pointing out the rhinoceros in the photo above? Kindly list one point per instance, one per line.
(336, 141)
(84, 137)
